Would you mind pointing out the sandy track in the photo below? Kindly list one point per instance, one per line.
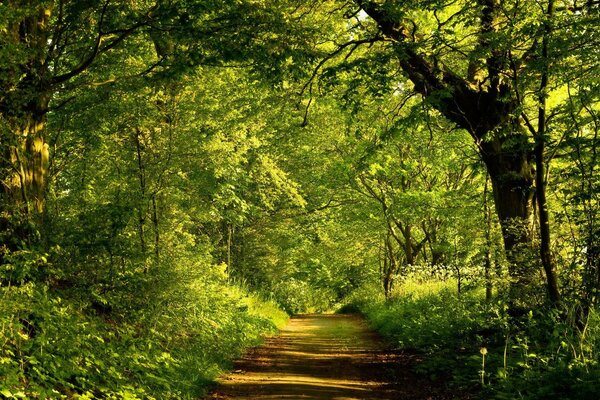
(326, 357)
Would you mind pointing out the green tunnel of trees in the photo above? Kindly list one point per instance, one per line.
(174, 173)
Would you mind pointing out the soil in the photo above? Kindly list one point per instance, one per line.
(327, 357)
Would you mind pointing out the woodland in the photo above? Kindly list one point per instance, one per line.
(178, 177)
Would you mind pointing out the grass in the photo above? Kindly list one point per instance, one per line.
(478, 348)
(150, 340)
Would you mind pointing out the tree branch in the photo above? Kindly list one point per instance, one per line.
(98, 48)
(337, 51)
(477, 111)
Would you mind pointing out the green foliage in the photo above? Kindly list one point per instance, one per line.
(165, 167)
(542, 356)
(171, 344)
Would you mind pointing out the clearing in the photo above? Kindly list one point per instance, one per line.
(326, 357)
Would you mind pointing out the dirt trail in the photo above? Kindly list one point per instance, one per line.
(326, 357)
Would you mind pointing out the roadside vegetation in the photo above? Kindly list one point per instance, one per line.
(474, 345)
(177, 177)
(169, 342)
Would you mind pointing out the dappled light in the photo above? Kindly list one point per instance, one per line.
(288, 199)
(325, 357)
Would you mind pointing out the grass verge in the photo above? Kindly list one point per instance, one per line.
(478, 348)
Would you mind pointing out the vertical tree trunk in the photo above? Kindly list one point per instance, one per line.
(488, 242)
(540, 175)
(24, 97)
(408, 245)
(26, 156)
(544, 219)
(389, 267)
(142, 201)
(229, 247)
(512, 175)
(156, 230)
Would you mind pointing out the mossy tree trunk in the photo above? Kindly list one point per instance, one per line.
(26, 92)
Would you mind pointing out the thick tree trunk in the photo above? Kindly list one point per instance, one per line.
(512, 174)
(25, 169)
(24, 97)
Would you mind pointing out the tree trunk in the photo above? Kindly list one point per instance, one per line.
(24, 97)
(156, 230)
(512, 174)
(488, 243)
(26, 156)
(389, 268)
(229, 247)
(540, 178)
(544, 219)
(408, 245)
(137, 138)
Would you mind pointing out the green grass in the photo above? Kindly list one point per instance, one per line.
(543, 358)
(169, 341)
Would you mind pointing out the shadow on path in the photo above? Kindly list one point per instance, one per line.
(326, 357)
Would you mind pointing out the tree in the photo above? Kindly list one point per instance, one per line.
(51, 48)
(486, 67)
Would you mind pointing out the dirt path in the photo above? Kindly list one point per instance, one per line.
(325, 357)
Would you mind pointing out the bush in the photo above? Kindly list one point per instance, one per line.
(163, 335)
(479, 348)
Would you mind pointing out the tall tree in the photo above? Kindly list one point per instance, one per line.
(484, 66)
(50, 48)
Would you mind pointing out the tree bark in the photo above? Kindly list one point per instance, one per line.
(137, 138)
(489, 286)
(229, 245)
(390, 267)
(540, 175)
(24, 97)
(156, 230)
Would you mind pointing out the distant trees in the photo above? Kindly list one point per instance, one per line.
(423, 190)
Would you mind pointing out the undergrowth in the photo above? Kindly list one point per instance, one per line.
(477, 347)
(159, 336)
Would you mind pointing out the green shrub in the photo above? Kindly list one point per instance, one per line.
(164, 335)
(541, 356)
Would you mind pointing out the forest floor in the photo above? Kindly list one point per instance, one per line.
(327, 357)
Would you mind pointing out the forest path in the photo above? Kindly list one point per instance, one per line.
(326, 357)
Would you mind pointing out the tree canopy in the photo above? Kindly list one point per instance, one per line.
(174, 171)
